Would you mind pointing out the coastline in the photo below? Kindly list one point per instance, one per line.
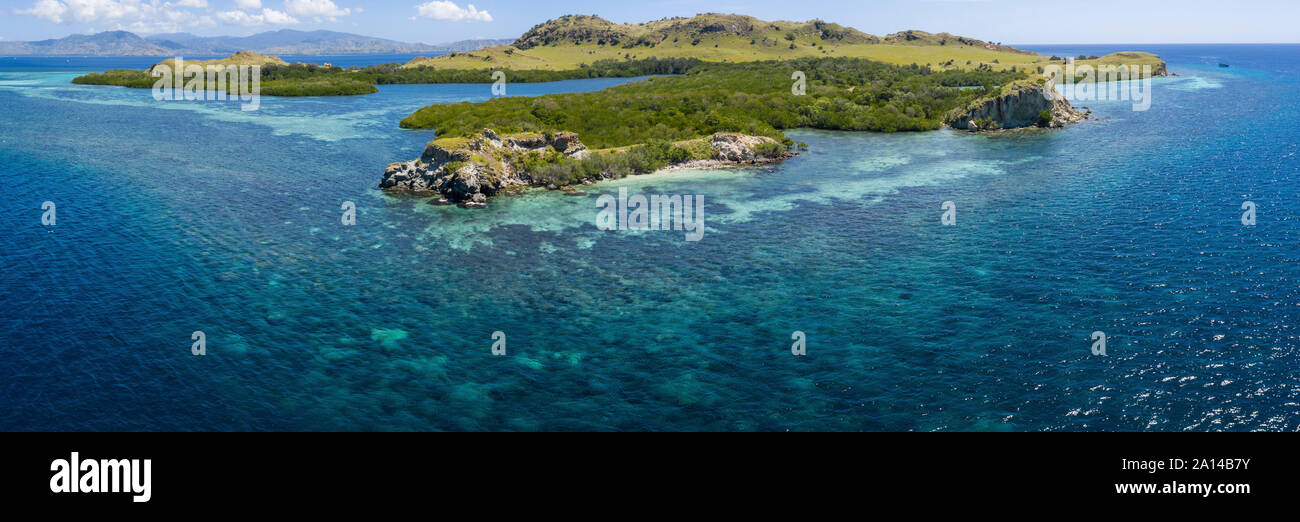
(852, 225)
(468, 171)
(578, 189)
(720, 164)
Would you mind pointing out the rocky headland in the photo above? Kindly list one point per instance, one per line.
(1022, 104)
(469, 170)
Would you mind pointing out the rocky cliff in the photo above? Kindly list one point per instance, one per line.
(470, 170)
(1024, 104)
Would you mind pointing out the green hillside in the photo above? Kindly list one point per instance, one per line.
(234, 60)
(572, 41)
(580, 46)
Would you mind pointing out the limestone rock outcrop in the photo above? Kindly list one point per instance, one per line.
(470, 170)
(1019, 106)
(473, 169)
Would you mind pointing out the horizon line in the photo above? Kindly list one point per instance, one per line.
(146, 35)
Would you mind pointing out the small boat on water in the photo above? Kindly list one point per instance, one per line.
(1223, 65)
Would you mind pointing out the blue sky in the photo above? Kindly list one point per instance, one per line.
(438, 21)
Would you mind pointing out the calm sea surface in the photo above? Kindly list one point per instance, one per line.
(177, 217)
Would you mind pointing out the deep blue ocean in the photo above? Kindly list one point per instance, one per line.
(176, 217)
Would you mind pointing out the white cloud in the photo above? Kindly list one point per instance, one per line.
(318, 9)
(51, 10)
(446, 10)
(266, 17)
(141, 15)
(89, 10)
(172, 23)
(153, 16)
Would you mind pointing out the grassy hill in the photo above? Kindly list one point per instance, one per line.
(580, 46)
(1131, 58)
(237, 59)
(572, 41)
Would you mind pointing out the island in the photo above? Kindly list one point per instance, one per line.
(276, 77)
(742, 82)
(280, 78)
(722, 89)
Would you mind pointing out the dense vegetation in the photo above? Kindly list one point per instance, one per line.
(640, 159)
(394, 73)
(319, 87)
(751, 98)
(275, 81)
(118, 77)
(316, 80)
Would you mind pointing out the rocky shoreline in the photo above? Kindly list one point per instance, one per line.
(1026, 104)
(468, 171)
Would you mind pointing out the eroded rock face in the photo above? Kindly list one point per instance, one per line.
(740, 148)
(1020, 108)
(563, 142)
(472, 169)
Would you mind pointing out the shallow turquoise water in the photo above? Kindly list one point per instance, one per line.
(176, 217)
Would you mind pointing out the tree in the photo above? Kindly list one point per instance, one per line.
(1045, 118)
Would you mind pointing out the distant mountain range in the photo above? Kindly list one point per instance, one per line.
(289, 42)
